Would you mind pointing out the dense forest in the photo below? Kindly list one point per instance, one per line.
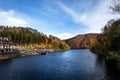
(81, 41)
(108, 44)
(31, 38)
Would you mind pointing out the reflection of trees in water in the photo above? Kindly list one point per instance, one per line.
(108, 69)
(100, 67)
(99, 60)
(111, 71)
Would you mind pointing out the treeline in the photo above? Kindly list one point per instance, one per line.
(27, 36)
(108, 44)
(20, 35)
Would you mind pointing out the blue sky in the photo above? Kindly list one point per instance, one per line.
(61, 18)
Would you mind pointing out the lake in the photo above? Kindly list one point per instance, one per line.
(67, 65)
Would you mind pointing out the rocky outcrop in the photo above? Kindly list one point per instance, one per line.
(81, 41)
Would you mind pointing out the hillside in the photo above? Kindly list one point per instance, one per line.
(22, 37)
(81, 41)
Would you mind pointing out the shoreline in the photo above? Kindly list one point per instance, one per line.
(7, 56)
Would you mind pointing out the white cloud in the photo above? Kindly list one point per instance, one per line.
(11, 18)
(70, 11)
(95, 19)
(64, 35)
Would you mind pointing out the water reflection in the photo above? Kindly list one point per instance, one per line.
(101, 66)
(99, 60)
(5, 62)
(68, 65)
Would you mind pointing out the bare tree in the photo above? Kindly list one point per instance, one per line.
(115, 6)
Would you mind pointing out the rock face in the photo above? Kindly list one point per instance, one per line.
(81, 41)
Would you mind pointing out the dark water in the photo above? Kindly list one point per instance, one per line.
(68, 65)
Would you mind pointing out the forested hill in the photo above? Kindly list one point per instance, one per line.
(81, 41)
(31, 38)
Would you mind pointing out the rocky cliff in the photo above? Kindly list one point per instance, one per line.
(81, 41)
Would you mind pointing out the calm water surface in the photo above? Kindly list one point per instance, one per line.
(68, 65)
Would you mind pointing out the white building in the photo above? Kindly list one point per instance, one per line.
(5, 45)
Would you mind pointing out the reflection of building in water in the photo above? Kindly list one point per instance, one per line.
(5, 45)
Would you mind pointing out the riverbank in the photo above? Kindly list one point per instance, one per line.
(26, 52)
(8, 56)
(112, 61)
(12, 55)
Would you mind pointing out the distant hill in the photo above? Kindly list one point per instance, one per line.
(81, 41)
(31, 38)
